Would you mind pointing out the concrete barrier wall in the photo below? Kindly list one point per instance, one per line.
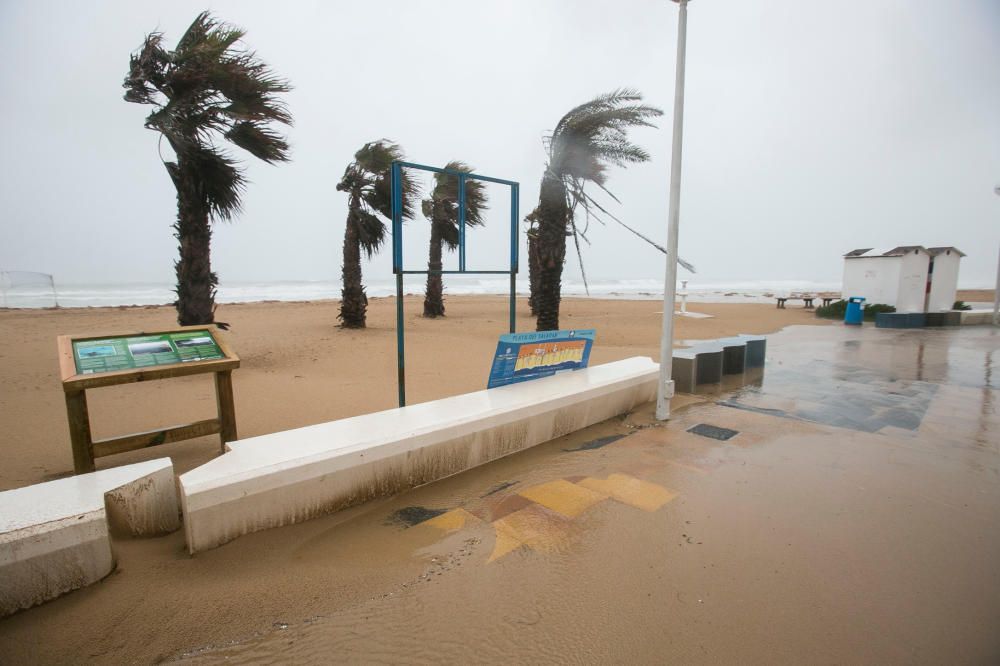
(54, 537)
(295, 475)
(976, 317)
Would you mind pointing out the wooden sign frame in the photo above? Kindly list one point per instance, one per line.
(75, 385)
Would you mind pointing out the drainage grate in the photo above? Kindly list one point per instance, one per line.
(412, 515)
(598, 443)
(714, 432)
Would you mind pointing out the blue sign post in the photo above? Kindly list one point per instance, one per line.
(397, 249)
(524, 356)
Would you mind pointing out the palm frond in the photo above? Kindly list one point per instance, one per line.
(259, 141)
(371, 231)
(442, 208)
(220, 181)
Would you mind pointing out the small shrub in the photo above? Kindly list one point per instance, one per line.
(835, 310)
(875, 308)
(961, 305)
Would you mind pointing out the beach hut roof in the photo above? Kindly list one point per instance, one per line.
(894, 252)
(935, 251)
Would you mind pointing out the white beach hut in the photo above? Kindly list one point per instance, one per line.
(943, 277)
(896, 277)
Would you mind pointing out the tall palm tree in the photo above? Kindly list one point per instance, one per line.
(441, 208)
(367, 181)
(533, 261)
(585, 142)
(206, 88)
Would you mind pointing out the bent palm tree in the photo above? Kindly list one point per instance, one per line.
(205, 87)
(533, 262)
(585, 142)
(367, 181)
(441, 208)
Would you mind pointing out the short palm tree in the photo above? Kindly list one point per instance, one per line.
(206, 88)
(585, 142)
(367, 181)
(441, 208)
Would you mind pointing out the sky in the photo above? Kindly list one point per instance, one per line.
(811, 128)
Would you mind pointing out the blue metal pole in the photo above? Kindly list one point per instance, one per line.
(513, 256)
(396, 183)
(461, 221)
(400, 354)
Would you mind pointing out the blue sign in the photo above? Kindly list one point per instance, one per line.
(524, 356)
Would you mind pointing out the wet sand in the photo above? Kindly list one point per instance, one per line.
(851, 519)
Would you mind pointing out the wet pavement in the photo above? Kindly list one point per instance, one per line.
(843, 509)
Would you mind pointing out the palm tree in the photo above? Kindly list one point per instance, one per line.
(585, 142)
(441, 208)
(367, 181)
(533, 262)
(205, 88)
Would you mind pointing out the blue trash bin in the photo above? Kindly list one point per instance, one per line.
(854, 314)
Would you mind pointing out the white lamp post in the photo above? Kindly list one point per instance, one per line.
(665, 390)
(996, 290)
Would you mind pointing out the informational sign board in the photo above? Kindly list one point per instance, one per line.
(524, 356)
(128, 353)
(89, 362)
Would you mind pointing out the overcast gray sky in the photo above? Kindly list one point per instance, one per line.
(811, 128)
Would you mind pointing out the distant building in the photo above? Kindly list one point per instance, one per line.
(911, 278)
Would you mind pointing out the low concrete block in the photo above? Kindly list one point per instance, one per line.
(756, 350)
(734, 355)
(54, 536)
(976, 317)
(292, 476)
(683, 370)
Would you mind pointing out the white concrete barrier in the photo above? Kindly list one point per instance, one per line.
(295, 475)
(976, 317)
(54, 536)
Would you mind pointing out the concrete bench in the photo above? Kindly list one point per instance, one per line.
(706, 363)
(734, 355)
(54, 536)
(700, 365)
(291, 476)
(756, 350)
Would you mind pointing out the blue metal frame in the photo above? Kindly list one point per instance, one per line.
(397, 249)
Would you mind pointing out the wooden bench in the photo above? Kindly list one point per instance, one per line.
(808, 300)
(291, 476)
(54, 536)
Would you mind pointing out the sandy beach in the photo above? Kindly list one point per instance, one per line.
(298, 368)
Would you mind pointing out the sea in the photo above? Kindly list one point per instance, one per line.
(47, 294)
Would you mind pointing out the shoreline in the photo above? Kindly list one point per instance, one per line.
(695, 296)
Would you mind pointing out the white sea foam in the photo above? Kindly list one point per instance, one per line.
(98, 295)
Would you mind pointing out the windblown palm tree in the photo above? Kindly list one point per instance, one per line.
(441, 208)
(585, 142)
(367, 181)
(533, 262)
(205, 88)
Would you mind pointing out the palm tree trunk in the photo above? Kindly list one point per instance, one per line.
(553, 214)
(353, 301)
(534, 271)
(195, 280)
(434, 294)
